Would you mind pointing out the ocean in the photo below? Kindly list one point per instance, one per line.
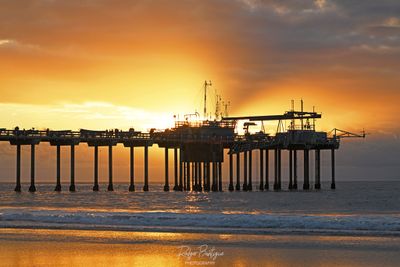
(358, 224)
(354, 208)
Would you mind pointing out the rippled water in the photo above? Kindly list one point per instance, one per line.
(354, 207)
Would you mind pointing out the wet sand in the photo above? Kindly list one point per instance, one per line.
(27, 247)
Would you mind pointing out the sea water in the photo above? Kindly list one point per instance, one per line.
(354, 208)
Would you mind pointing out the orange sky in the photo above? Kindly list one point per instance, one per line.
(120, 64)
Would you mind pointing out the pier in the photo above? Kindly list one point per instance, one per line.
(198, 149)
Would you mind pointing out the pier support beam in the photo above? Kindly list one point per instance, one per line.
(261, 187)
(219, 176)
(146, 168)
(277, 181)
(188, 176)
(317, 169)
(333, 184)
(306, 184)
(214, 186)
(230, 172)
(245, 171)
(200, 177)
(18, 174)
(32, 187)
(294, 170)
(237, 172)
(290, 169)
(110, 170)
(181, 170)
(250, 183)
(132, 169)
(96, 169)
(58, 170)
(208, 170)
(72, 184)
(166, 184)
(176, 187)
(266, 187)
(196, 176)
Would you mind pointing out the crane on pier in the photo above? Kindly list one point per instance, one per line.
(337, 134)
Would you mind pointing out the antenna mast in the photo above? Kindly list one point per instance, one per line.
(205, 97)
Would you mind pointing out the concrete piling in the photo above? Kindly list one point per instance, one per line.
(237, 172)
(261, 187)
(230, 188)
(317, 169)
(294, 187)
(306, 184)
(266, 186)
(333, 183)
(131, 169)
(18, 174)
(146, 168)
(32, 187)
(245, 172)
(110, 169)
(58, 170)
(96, 169)
(166, 184)
(72, 183)
(176, 186)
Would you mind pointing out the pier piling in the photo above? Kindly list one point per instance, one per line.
(290, 169)
(261, 170)
(72, 184)
(18, 174)
(230, 172)
(166, 184)
(131, 169)
(266, 169)
(333, 184)
(294, 187)
(58, 170)
(96, 169)
(32, 187)
(250, 182)
(245, 171)
(306, 184)
(146, 168)
(110, 169)
(237, 171)
(176, 186)
(317, 169)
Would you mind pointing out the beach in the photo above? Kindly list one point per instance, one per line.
(36, 247)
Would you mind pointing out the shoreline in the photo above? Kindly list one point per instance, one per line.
(39, 247)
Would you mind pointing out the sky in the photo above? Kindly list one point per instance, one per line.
(120, 64)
